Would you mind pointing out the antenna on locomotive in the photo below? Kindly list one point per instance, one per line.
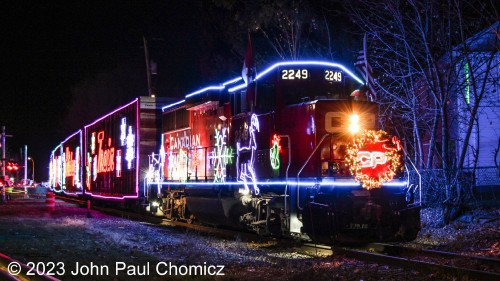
(248, 73)
(151, 68)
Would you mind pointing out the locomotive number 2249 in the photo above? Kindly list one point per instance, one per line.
(294, 74)
(335, 76)
(302, 74)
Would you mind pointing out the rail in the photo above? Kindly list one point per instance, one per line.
(435, 261)
(304, 165)
(8, 265)
(287, 168)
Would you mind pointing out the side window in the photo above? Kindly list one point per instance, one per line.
(239, 102)
(175, 120)
(266, 98)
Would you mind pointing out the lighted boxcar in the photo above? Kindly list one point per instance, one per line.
(117, 146)
(104, 159)
(65, 167)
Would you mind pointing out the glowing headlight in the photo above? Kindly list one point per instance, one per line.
(354, 123)
(155, 204)
(354, 128)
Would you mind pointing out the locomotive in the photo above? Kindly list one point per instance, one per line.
(286, 153)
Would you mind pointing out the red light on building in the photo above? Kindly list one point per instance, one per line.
(13, 167)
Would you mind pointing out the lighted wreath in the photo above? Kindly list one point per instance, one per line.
(374, 158)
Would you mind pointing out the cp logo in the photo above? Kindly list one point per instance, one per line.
(369, 159)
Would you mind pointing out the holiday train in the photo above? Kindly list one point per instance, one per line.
(290, 153)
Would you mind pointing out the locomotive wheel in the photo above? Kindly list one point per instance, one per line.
(410, 225)
(408, 233)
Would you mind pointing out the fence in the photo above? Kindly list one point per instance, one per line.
(482, 183)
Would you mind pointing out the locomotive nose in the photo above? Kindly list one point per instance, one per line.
(371, 211)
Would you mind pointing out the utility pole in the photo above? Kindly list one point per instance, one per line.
(4, 136)
(148, 69)
(25, 165)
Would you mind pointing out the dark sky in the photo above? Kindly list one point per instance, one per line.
(48, 47)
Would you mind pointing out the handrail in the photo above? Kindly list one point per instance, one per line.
(288, 167)
(418, 173)
(303, 166)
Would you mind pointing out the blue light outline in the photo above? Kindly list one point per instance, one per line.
(172, 105)
(334, 183)
(299, 63)
(232, 81)
(269, 69)
(214, 87)
(209, 88)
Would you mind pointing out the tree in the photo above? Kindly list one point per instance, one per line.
(280, 30)
(413, 48)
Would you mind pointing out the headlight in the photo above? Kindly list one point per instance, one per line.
(354, 123)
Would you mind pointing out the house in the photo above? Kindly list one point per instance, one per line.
(476, 88)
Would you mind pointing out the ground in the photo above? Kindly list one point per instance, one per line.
(476, 232)
(77, 238)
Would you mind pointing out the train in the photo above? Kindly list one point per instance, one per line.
(288, 152)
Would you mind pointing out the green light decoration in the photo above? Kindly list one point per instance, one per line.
(467, 83)
(275, 152)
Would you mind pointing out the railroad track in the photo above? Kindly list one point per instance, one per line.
(422, 260)
(453, 259)
(428, 261)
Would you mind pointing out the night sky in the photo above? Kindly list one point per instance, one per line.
(49, 47)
